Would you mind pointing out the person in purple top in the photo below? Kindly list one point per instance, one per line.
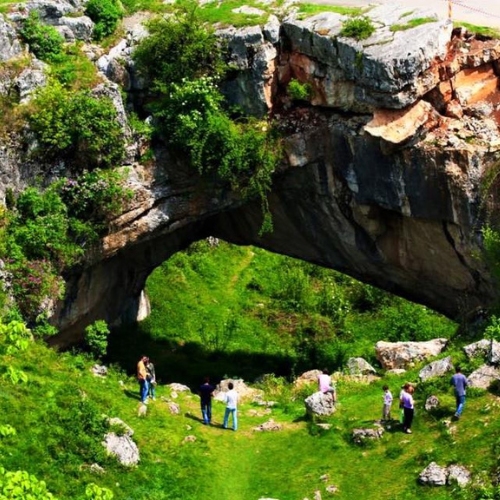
(206, 394)
(459, 382)
(408, 407)
(326, 386)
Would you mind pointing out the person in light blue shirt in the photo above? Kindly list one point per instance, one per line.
(459, 382)
(231, 399)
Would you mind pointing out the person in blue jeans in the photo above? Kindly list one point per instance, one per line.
(206, 394)
(459, 382)
(231, 399)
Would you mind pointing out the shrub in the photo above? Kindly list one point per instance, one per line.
(96, 338)
(106, 14)
(14, 337)
(358, 28)
(44, 41)
(7, 431)
(179, 47)
(94, 492)
(77, 127)
(299, 91)
(21, 485)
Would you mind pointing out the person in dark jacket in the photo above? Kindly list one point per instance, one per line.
(206, 394)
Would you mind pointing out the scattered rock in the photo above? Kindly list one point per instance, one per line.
(142, 410)
(270, 425)
(245, 393)
(361, 435)
(173, 408)
(317, 495)
(359, 366)
(99, 370)
(458, 474)
(245, 9)
(9, 44)
(189, 439)
(94, 468)
(320, 404)
(126, 429)
(331, 489)
(179, 387)
(326, 427)
(123, 448)
(483, 377)
(485, 348)
(404, 354)
(395, 371)
(324, 478)
(431, 403)
(437, 368)
(433, 475)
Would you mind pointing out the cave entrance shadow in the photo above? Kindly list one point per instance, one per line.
(189, 363)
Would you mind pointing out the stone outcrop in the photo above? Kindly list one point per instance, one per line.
(245, 393)
(122, 447)
(483, 377)
(435, 475)
(269, 426)
(381, 174)
(485, 348)
(431, 403)
(320, 404)
(359, 436)
(308, 378)
(404, 354)
(437, 368)
(359, 366)
(9, 44)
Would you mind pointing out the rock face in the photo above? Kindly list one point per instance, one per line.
(437, 368)
(403, 354)
(483, 377)
(320, 404)
(485, 348)
(245, 393)
(376, 181)
(359, 366)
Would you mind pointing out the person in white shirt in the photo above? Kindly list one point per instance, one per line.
(386, 410)
(231, 399)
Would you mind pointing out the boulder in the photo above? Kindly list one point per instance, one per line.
(458, 474)
(173, 408)
(431, 403)
(395, 371)
(359, 366)
(30, 79)
(270, 425)
(483, 377)
(189, 439)
(437, 368)
(433, 475)
(81, 28)
(245, 393)
(405, 354)
(179, 387)
(308, 378)
(359, 436)
(485, 348)
(123, 448)
(99, 370)
(126, 430)
(320, 404)
(9, 44)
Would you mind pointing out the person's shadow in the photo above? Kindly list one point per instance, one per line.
(200, 420)
(131, 395)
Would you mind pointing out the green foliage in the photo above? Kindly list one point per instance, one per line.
(15, 376)
(299, 91)
(491, 243)
(7, 431)
(179, 47)
(21, 485)
(14, 337)
(358, 28)
(106, 15)
(310, 9)
(76, 126)
(94, 492)
(481, 30)
(413, 23)
(44, 41)
(96, 338)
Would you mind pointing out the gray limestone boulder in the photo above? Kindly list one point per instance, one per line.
(437, 368)
(485, 348)
(404, 354)
(30, 79)
(245, 393)
(123, 448)
(359, 366)
(308, 378)
(81, 27)
(99, 370)
(50, 11)
(431, 403)
(269, 426)
(125, 429)
(359, 436)
(458, 474)
(271, 30)
(179, 387)
(9, 43)
(433, 475)
(320, 404)
(483, 377)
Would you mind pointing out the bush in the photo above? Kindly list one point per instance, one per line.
(299, 91)
(94, 492)
(179, 47)
(96, 338)
(14, 337)
(44, 41)
(359, 28)
(21, 485)
(77, 127)
(106, 15)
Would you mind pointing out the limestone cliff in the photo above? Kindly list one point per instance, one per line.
(382, 171)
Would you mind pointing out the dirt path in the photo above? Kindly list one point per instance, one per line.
(483, 13)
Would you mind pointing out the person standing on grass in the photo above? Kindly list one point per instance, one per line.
(142, 377)
(151, 378)
(231, 398)
(386, 410)
(206, 394)
(408, 407)
(459, 382)
(325, 384)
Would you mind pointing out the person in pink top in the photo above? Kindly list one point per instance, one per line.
(325, 384)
